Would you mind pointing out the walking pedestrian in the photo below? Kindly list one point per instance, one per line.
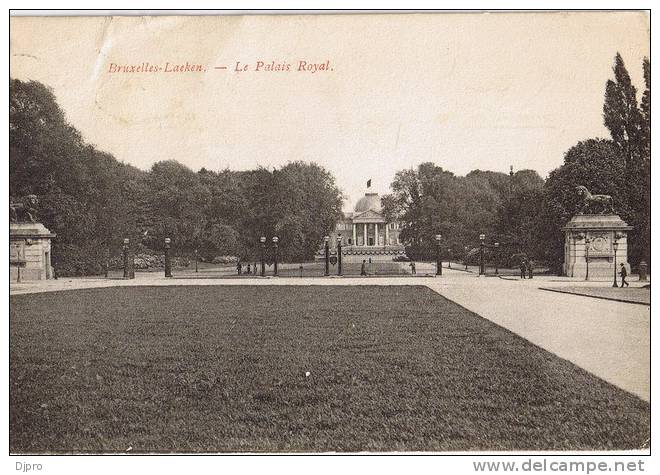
(530, 269)
(254, 269)
(623, 273)
(239, 267)
(249, 269)
(523, 269)
(413, 269)
(363, 269)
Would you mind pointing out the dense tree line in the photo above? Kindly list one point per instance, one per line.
(430, 201)
(93, 201)
(524, 213)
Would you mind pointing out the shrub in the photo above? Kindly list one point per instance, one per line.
(149, 261)
(74, 260)
(225, 260)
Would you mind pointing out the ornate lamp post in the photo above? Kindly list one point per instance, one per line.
(587, 241)
(275, 240)
(615, 245)
(467, 249)
(124, 250)
(449, 252)
(326, 239)
(482, 244)
(168, 263)
(576, 237)
(196, 262)
(107, 262)
(262, 240)
(438, 260)
(497, 257)
(339, 238)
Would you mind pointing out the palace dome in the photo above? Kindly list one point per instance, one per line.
(370, 201)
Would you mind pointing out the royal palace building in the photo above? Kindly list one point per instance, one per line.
(366, 234)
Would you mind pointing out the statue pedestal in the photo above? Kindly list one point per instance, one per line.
(600, 232)
(29, 252)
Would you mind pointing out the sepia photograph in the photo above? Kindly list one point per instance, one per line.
(330, 233)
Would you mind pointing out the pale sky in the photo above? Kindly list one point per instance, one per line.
(463, 90)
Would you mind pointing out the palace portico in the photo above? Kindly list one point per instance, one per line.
(366, 233)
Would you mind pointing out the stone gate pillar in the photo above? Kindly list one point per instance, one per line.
(597, 232)
(29, 252)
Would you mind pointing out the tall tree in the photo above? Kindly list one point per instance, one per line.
(176, 203)
(307, 205)
(630, 130)
(620, 112)
(518, 217)
(431, 200)
(645, 107)
(417, 201)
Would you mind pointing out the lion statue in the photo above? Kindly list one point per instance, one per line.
(595, 204)
(23, 210)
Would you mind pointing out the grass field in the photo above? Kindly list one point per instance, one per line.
(190, 369)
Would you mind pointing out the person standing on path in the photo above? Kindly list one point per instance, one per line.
(623, 274)
(523, 269)
(239, 267)
(530, 269)
(363, 269)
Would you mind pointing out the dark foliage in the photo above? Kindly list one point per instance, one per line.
(430, 201)
(92, 201)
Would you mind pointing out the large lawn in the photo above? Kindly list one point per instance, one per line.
(189, 369)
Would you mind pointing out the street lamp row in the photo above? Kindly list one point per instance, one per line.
(326, 239)
(168, 261)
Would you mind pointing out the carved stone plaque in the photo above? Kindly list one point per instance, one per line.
(600, 244)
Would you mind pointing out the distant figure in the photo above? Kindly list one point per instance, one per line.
(413, 270)
(239, 267)
(523, 269)
(363, 269)
(249, 269)
(254, 269)
(623, 274)
(530, 269)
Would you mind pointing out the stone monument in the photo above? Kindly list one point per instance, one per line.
(595, 239)
(29, 243)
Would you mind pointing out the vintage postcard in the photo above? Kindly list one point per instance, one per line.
(388, 232)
